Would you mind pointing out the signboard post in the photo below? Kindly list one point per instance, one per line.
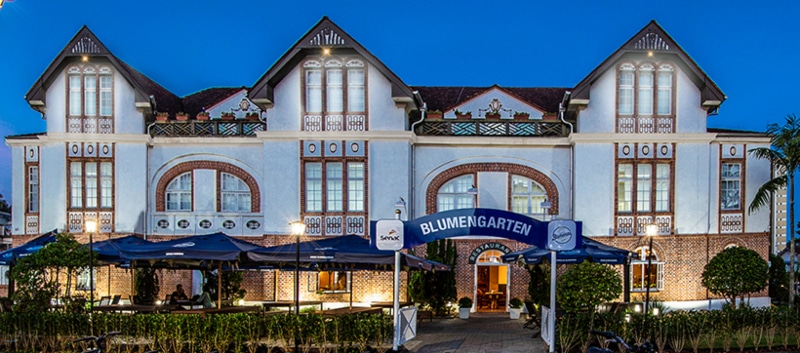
(389, 236)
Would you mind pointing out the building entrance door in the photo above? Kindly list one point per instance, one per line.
(491, 282)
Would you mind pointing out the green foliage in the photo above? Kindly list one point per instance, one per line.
(778, 280)
(36, 274)
(147, 286)
(586, 285)
(539, 285)
(465, 302)
(436, 289)
(736, 272)
(515, 303)
(231, 284)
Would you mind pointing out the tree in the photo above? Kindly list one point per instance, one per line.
(147, 286)
(539, 286)
(587, 285)
(778, 280)
(784, 154)
(435, 289)
(736, 272)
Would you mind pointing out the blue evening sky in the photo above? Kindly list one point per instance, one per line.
(748, 48)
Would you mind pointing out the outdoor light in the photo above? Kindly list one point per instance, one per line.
(298, 229)
(655, 311)
(91, 227)
(545, 205)
(627, 317)
(84, 58)
(651, 231)
(472, 191)
(326, 51)
(637, 308)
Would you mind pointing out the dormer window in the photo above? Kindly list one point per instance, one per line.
(335, 94)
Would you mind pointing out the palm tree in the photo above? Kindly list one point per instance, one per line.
(784, 154)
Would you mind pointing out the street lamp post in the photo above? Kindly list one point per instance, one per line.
(91, 227)
(298, 229)
(652, 230)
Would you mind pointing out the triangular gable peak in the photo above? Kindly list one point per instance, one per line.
(494, 103)
(86, 46)
(652, 40)
(324, 38)
(238, 104)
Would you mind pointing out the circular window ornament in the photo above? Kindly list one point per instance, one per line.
(205, 224)
(333, 148)
(253, 225)
(105, 149)
(733, 150)
(646, 150)
(664, 150)
(163, 223)
(31, 153)
(228, 224)
(354, 147)
(626, 150)
(90, 149)
(74, 149)
(312, 148)
(183, 224)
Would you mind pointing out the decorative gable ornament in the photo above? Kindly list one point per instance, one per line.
(326, 37)
(651, 41)
(86, 45)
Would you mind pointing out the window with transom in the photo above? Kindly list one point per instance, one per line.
(644, 187)
(235, 194)
(527, 197)
(335, 88)
(730, 186)
(645, 97)
(334, 186)
(33, 189)
(90, 96)
(179, 193)
(455, 194)
(91, 184)
(642, 275)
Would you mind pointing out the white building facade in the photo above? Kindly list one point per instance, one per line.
(332, 136)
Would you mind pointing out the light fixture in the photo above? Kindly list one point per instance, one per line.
(326, 51)
(649, 53)
(298, 229)
(472, 190)
(651, 231)
(84, 58)
(91, 227)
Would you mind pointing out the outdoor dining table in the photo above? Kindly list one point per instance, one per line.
(389, 305)
(223, 310)
(353, 310)
(133, 308)
(289, 304)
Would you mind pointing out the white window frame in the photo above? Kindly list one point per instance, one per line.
(355, 186)
(33, 189)
(235, 194)
(729, 181)
(527, 196)
(650, 196)
(639, 263)
(313, 187)
(83, 279)
(180, 189)
(453, 194)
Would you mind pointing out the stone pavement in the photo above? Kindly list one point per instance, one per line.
(481, 333)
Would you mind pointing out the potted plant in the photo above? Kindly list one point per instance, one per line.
(464, 307)
(162, 116)
(435, 114)
(181, 116)
(251, 116)
(227, 116)
(521, 115)
(492, 115)
(514, 308)
(463, 115)
(202, 115)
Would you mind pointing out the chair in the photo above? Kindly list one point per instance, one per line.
(534, 321)
(115, 299)
(104, 300)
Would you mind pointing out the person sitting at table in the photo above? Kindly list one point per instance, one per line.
(205, 299)
(178, 294)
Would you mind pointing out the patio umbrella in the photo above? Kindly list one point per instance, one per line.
(350, 252)
(591, 250)
(108, 251)
(10, 256)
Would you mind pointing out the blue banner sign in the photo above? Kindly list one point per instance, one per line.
(477, 222)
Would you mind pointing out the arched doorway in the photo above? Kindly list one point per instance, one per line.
(491, 282)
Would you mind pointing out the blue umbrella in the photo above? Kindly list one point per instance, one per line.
(591, 250)
(199, 251)
(10, 256)
(108, 250)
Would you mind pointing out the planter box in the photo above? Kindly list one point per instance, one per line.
(513, 313)
(463, 313)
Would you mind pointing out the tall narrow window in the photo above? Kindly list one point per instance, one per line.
(335, 94)
(90, 94)
(235, 194)
(334, 185)
(75, 100)
(355, 90)
(105, 93)
(644, 186)
(33, 189)
(662, 187)
(91, 185)
(106, 185)
(645, 94)
(625, 188)
(76, 184)
(527, 196)
(640, 271)
(355, 186)
(626, 75)
(665, 90)
(454, 194)
(179, 193)
(730, 186)
(314, 91)
(313, 187)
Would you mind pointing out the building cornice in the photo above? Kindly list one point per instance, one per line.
(577, 138)
(405, 136)
(51, 138)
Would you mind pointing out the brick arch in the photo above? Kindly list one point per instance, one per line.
(473, 168)
(172, 173)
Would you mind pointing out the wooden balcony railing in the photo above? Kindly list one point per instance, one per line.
(210, 128)
(492, 128)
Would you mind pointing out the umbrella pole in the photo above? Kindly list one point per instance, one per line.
(219, 285)
(351, 286)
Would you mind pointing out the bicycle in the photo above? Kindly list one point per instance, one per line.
(612, 337)
(97, 344)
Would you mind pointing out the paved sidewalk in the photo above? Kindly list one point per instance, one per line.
(481, 333)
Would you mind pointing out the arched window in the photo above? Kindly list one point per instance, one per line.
(454, 194)
(235, 194)
(527, 197)
(179, 193)
(490, 256)
(639, 270)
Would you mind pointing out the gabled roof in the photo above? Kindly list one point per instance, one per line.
(85, 43)
(324, 35)
(653, 38)
(445, 98)
(196, 102)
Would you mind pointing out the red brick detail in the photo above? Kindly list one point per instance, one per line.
(474, 168)
(161, 187)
